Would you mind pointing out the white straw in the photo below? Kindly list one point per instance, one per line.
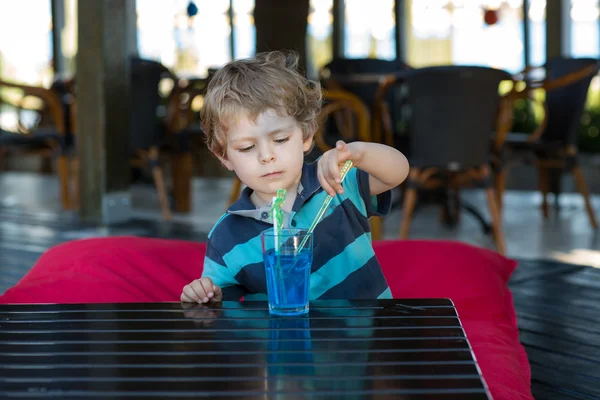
(275, 230)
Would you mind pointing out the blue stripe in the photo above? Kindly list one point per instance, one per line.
(220, 274)
(236, 230)
(354, 256)
(379, 205)
(387, 294)
(366, 282)
(309, 210)
(244, 254)
(352, 189)
(256, 297)
(351, 192)
(336, 232)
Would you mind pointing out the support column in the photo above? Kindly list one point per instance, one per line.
(339, 28)
(399, 8)
(103, 109)
(558, 28)
(58, 24)
(281, 25)
(526, 30)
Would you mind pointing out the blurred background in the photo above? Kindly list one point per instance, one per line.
(496, 104)
(100, 101)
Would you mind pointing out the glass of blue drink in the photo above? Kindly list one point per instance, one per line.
(288, 257)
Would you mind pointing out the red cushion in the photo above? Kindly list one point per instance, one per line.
(132, 269)
(475, 279)
(110, 270)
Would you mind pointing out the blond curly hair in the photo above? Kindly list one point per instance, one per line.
(269, 80)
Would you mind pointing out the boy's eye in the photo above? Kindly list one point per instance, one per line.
(245, 149)
(282, 140)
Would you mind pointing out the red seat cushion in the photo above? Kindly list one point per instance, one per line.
(110, 270)
(475, 279)
(132, 269)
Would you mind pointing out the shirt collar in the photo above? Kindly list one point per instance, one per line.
(309, 185)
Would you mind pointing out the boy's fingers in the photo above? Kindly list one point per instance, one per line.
(344, 153)
(334, 178)
(198, 289)
(218, 293)
(207, 289)
(186, 299)
(190, 293)
(324, 183)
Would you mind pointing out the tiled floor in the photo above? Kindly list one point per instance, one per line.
(566, 235)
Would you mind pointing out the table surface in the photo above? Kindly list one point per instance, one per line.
(401, 349)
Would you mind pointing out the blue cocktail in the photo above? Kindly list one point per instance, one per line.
(287, 265)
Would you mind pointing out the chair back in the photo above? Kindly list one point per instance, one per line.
(453, 115)
(566, 104)
(146, 128)
(359, 76)
(343, 117)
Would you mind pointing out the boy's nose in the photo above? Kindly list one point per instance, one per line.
(265, 158)
(266, 155)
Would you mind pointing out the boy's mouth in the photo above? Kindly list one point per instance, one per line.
(272, 174)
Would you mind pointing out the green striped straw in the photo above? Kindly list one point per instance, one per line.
(277, 216)
(345, 169)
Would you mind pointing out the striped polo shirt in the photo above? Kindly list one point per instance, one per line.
(344, 264)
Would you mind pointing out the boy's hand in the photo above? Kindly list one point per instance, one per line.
(201, 291)
(331, 163)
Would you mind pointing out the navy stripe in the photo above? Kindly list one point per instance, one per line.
(367, 282)
(233, 293)
(253, 277)
(309, 179)
(213, 254)
(243, 202)
(330, 237)
(235, 230)
(383, 201)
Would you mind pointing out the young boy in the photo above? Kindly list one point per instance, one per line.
(259, 118)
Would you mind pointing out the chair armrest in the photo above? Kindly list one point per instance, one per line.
(50, 99)
(179, 113)
(344, 101)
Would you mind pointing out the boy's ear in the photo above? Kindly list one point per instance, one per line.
(307, 144)
(225, 161)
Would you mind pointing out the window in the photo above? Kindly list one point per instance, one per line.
(465, 32)
(244, 30)
(26, 41)
(537, 32)
(370, 29)
(25, 55)
(319, 35)
(585, 16)
(188, 45)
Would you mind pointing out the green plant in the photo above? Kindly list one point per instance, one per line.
(524, 117)
(589, 131)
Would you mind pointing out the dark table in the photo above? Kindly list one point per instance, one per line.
(400, 349)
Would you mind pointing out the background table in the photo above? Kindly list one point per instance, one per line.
(401, 349)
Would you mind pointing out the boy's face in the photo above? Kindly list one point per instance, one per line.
(267, 154)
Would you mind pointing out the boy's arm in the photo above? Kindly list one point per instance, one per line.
(386, 166)
(221, 276)
(215, 269)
